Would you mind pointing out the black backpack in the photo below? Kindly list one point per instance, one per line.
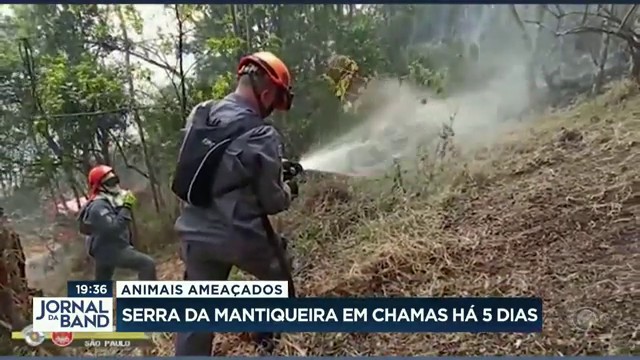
(201, 152)
(83, 227)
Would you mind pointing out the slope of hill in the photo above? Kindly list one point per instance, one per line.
(552, 211)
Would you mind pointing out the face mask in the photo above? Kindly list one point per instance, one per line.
(114, 190)
(112, 186)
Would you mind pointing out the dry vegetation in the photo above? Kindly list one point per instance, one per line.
(551, 212)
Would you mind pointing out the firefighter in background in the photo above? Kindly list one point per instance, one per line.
(225, 221)
(105, 219)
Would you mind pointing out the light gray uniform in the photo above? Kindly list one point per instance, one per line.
(231, 231)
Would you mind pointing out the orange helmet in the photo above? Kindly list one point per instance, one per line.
(95, 177)
(277, 72)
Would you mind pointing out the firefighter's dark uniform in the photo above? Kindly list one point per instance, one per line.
(110, 241)
(231, 233)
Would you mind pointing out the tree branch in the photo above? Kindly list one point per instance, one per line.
(125, 159)
(121, 48)
(627, 16)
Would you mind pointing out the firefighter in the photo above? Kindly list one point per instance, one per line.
(105, 219)
(224, 221)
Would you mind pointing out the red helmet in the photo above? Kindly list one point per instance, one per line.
(96, 176)
(277, 72)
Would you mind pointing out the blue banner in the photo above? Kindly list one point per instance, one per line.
(85, 289)
(522, 315)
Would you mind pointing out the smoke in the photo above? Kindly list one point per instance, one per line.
(400, 122)
(397, 122)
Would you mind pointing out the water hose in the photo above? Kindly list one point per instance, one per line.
(266, 340)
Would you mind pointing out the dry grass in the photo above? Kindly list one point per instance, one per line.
(551, 212)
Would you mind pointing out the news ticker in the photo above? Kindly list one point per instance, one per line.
(85, 339)
(263, 306)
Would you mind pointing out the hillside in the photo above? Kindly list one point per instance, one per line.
(552, 211)
(550, 208)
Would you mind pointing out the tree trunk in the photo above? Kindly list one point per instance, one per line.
(59, 192)
(635, 65)
(528, 44)
(247, 28)
(180, 56)
(104, 146)
(602, 58)
(136, 114)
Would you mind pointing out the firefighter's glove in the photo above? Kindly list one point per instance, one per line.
(129, 200)
(293, 188)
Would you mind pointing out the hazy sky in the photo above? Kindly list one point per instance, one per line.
(156, 21)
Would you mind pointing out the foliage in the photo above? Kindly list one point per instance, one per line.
(86, 84)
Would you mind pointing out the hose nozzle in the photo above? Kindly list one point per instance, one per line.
(291, 169)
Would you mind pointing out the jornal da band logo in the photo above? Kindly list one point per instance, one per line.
(72, 315)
